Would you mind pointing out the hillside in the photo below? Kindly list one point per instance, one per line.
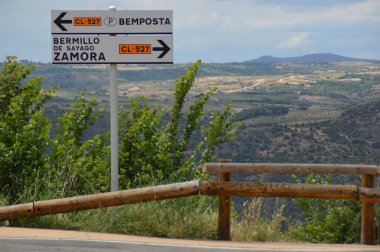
(309, 58)
(288, 112)
(353, 137)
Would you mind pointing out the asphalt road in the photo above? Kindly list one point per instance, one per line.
(48, 240)
(50, 245)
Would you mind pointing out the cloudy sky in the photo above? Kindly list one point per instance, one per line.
(216, 30)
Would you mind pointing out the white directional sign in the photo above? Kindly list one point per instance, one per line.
(68, 49)
(112, 37)
(112, 22)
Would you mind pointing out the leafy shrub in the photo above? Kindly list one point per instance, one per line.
(24, 131)
(327, 220)
(77, 166)
(153, 151)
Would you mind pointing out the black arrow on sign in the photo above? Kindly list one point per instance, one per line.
(58, 21)
(165, 49)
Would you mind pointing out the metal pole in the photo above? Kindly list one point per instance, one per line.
(114, 129)
(114, 125)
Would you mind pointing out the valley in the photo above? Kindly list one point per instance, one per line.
(288, 112)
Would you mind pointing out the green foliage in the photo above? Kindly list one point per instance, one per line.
(189, 218)
(150, 150)
(141, 156)
(33, 163)
(175, 146)
(24, 131)
(220, 130)
(153, 151)
(81, 167)
(327, 220)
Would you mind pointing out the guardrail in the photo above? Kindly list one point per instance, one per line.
(225, 188)
(367, 194)
(79, 203)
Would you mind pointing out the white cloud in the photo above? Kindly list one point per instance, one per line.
(295, 40)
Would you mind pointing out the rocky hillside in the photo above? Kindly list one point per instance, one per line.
(354, 137)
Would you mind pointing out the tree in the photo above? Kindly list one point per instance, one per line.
(24, 130)
(152, 150)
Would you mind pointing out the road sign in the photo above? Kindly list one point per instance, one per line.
(85, 49)
(112, 22)
(85, 37)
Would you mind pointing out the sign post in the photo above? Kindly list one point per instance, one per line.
(114, 125)
(112, 37)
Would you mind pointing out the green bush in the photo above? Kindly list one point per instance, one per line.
(331, 221)
(152, 151)
(77, 166)
(24, 130)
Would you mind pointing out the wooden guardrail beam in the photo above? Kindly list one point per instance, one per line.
(340, 192)
(367, 194)
(55, 206)
(291, 168)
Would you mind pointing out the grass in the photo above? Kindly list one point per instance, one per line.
(264, 231)
(187, 218)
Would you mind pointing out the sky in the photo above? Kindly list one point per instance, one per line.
(216, 31)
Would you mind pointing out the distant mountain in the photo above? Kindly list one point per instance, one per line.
(309, 58)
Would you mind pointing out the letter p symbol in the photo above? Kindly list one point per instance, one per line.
(110, 21)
